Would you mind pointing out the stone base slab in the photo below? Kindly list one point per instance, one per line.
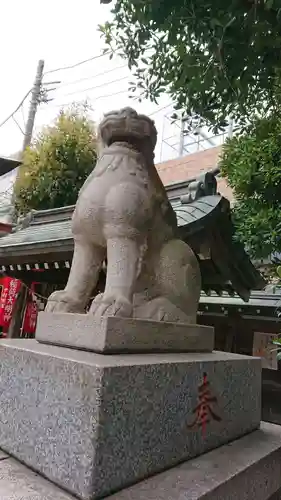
(246, 469)
(116, 335)
(95, 424)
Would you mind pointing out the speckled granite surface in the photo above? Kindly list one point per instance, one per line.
(122, 335)
(17, 482)
(246, 469)
(94, 424)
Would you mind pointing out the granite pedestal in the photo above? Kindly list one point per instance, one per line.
(246, 469)
(115, 334)
(94, 424)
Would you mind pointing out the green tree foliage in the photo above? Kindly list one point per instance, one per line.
(215, 58)
(251, 163)
(57, 163)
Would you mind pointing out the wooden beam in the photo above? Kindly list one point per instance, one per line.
(247, 324)
(46, 254)
(51, 276)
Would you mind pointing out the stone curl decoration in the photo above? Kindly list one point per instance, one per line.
(205, 185)
(123, 214)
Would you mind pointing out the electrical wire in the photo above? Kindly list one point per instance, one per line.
(96, 86)
(66, 84)
(17, 108)
(18, 125)
(5, 198)
(95, 99)
(63, 68)
(8, 191)
(160, 109)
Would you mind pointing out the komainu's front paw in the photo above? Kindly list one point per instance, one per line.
(60, 301)
(104, 306)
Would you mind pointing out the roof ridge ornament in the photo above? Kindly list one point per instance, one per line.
(204, 185)
(24, 221)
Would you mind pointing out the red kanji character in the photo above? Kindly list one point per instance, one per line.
(204, 411)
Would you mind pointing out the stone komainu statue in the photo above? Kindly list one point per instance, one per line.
(123, 214)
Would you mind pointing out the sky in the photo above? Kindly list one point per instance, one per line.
(64, 33)
(61, 33)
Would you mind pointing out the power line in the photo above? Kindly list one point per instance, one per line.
(160, 109)
(17, 108)
(96, 86)
(63, 68)
(7, 191)
(7, 195)
(18, 125)
(93, 76)
(6, 198)
(95, 99)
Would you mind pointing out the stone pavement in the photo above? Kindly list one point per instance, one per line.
(17, 482)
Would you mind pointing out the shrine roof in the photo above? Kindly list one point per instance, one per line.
(42, 227)
(37, 234)
(204, 221)
(263, 307)
(258, 298)
(55, 225)
(7, 165)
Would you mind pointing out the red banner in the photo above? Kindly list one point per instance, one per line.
(9, 293)
(30, 317)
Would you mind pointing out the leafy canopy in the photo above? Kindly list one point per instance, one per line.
(251, 163)
(215, 58)
(57, 163)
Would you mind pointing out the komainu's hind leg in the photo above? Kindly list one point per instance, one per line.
(178, 277)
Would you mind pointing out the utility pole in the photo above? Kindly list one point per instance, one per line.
(35, 95)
